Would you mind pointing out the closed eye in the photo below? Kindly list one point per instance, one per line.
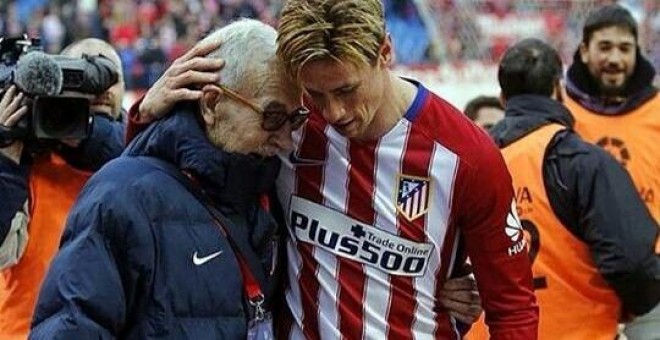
(346, 90)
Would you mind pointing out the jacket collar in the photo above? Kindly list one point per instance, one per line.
(231, 179)
(526, 113)
(582, 88)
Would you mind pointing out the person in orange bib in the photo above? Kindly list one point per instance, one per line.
(589, 235)
(39, 181)
(610, 93)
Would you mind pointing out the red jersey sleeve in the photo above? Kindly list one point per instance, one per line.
(134, 125)
(495, 244)
(483, 213)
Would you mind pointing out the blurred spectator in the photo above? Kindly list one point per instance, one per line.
(153, 59)
(485, 111)
(128, 56)
(11, 25)
(52, 30)
(410, 37)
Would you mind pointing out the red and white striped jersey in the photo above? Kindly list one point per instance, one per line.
(375, 229)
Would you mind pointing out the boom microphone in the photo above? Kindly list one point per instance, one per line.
(38, 74)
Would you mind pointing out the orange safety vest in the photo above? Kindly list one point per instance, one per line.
(54, 186)
(574, 300)
(632, 139)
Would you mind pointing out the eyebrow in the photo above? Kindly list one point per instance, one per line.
(610, 42)
(337, 89)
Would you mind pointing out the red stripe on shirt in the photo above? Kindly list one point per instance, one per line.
(308, 185)
(351, 273)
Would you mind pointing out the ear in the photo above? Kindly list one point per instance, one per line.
(207, 104)
(386, 52)
(584, 53)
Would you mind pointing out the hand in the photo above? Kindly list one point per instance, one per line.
(11, 111)
(461, 298)
(185, 79)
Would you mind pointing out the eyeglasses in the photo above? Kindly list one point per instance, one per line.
(273, 119)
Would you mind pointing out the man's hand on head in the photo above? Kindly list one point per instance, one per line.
(12, 109)
(184, 80)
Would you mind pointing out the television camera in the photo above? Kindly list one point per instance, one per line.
(58, 90)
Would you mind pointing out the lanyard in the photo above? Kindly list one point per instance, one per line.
(251, 286)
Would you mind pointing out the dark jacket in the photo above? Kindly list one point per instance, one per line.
(594, 197)
(126, 267)
(105, 142)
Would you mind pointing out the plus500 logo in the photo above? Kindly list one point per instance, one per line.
(389, 253)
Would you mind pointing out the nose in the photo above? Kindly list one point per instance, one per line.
(615, 57)
(333, 111)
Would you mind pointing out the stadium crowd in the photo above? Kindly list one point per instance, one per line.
(149, 34)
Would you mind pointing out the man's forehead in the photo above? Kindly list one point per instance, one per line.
(336, 84)
(489, 111)
(280, 91)
(330, 75)
(613, 34)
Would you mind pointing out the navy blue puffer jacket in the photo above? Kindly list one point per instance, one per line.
(141, 257)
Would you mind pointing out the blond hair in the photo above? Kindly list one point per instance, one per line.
(343, 30)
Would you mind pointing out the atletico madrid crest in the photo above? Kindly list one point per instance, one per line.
(413, 196)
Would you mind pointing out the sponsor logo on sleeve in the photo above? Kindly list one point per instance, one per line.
(344, 236)
(514, 231)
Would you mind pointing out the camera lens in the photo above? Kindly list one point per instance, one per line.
(58, 121)
(59, 117)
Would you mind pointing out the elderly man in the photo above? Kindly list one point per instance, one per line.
(173, 239)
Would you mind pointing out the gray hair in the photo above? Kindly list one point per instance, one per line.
(248, 47)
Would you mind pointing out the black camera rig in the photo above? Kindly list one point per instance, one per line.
(54, 115)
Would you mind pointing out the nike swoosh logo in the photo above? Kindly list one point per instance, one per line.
(198, 261)
(299, 161)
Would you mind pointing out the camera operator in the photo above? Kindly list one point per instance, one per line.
(107, 110)
(38, 185)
